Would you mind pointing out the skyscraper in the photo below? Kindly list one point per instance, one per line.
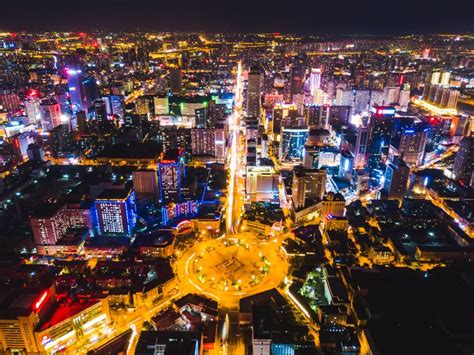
(176, 80)
(50, 112)
(171, 171)
(396, 179)
(103, 123)
(463, 169)
(315, 183)
(314, 80)
(253, 92)
(145, 182)
(298, 187)
(76, 90)
(292, 143)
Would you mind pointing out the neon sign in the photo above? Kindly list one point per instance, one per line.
(37, 305)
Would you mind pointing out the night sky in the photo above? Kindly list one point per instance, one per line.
(309, 16)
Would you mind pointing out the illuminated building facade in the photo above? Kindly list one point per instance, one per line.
(463, 168)
(261, 183)
(292, 143)
(50, 112)
(171, 171)
(253, 98)
(396, 180)
(76, 90)
(145, 182)
(116, 211)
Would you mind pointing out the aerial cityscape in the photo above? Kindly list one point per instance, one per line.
(198, 192)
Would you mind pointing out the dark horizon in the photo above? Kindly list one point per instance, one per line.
(306, 17)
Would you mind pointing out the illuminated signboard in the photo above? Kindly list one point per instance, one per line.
(40, 301)
(382, 111)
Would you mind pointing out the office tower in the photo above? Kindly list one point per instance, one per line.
(435, 78)
(116, 211)
(32, 108)
(333, 205)
(445, 77)
(377, 98)
(361, 148)
(203, 141)
(339, 115)
(100, 110)
(296, 79)
(316, 116)
(176, 80)
(261, 183)
(344, 97)
(404, 98)
(202, 118)
(361, 101)
(463, 168)
(277, 117)
(171, 171)
(395, 180)
(50, 112)
(346, 166)
(293, 140)
(320, 97)
(76, 90)
(145, 182)
(298, 187)
(391, 95)
(314, 80)
(162, 106)
(380, 133)
(253, 92)
(360, 181)
(115, 105)
(35, 152)
(410, 146)
(315, 183)
(82, 124)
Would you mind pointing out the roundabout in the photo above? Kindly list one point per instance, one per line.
(230, 268)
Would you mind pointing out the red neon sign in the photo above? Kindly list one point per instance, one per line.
(39, 302)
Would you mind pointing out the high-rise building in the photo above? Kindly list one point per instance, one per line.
(116, 211)
(145, 182)
(463, 169)
(320, 97)
(361, 101)
(396, 179)
(435, 78)
(293, 140)
(315, 183)
(32, 108)
(171, 171)
(76, 90)
(176, 80)
(203, 141)
(298, 187)
(344, 97)
(361, 148)
(404, 98)
(314, 80)
(346, 166)
(103, 123)
(48, 225)
(410, 146)
(50, 112)
(253, 92)
(391, 95)
(445, 77)
(380, 134)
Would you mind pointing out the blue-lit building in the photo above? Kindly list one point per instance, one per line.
(171, 171)
(381, 128)
(292, 143)
(76, 90)
(116, 211)
(346, 166)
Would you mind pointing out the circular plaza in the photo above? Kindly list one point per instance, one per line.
(230, 268)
